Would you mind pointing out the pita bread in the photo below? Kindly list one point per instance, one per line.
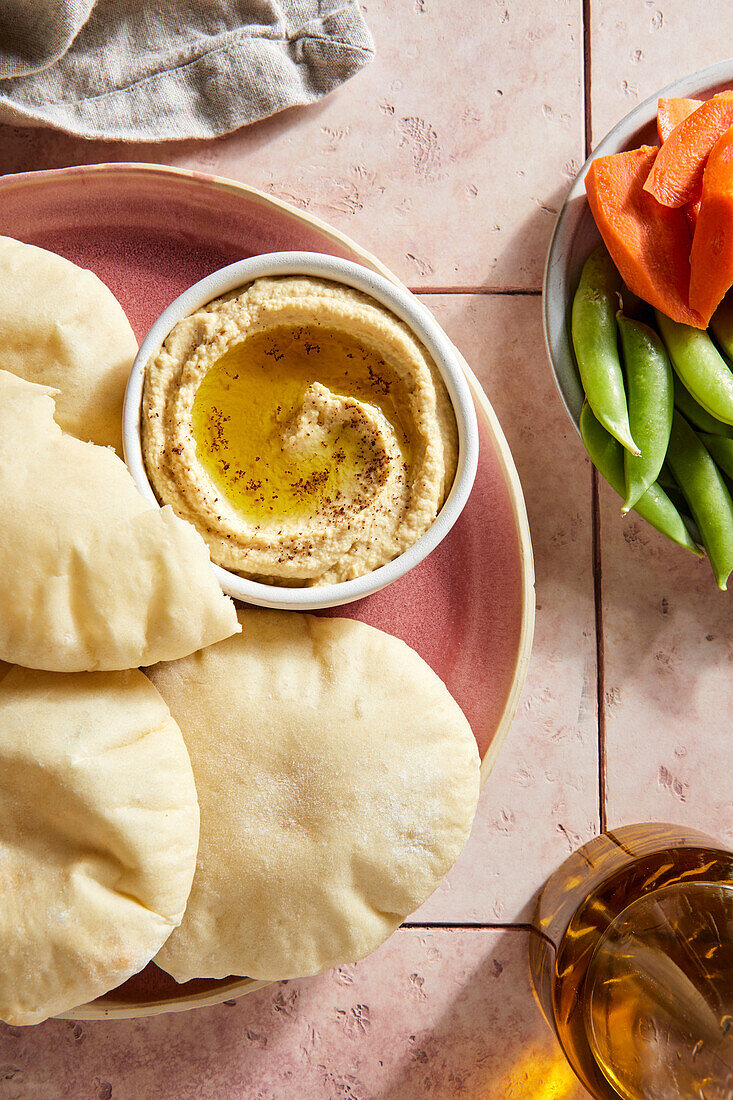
(337, 780)
(91, 575)
(61, 326)
(98, 835)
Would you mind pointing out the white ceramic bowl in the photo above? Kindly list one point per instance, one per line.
(576, 235)
(405, 306)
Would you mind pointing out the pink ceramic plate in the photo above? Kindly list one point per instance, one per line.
(149, 232)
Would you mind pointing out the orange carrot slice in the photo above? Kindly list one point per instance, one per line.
(670, 112)
(648, 242)
(711, 259)
(676, 175)
(691, 212)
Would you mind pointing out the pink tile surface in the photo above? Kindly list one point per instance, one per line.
(668, 681)
(541, 800)
(433, 1013)
(637, 48)
(447, 158)
(470, 115)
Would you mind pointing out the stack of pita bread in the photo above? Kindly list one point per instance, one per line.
(263, 802)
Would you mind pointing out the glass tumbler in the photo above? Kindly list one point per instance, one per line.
(633, 964)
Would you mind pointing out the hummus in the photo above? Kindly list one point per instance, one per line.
(301, 428)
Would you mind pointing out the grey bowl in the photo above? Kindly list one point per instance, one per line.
(575, 234)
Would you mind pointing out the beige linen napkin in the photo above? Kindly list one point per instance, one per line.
(150, 70)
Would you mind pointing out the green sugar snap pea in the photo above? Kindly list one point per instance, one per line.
(667, 482)
(654, 505)
(721, 449)
(632, 305)
(700, 366)
(722, 325)
(696, 415)
(706, 493)
(595, 339)
(666, 479)
(650, 391)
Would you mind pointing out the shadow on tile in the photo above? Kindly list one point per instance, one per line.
(32, 149)
(491, 1042)
(442, 1012)
(539, 224)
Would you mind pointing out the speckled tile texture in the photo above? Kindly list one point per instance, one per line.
(471, 115)
(638, 47)
(668, 681)
(448, 157)
(541, 800)
(433, 1014)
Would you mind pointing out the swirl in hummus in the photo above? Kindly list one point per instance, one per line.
(301, 428)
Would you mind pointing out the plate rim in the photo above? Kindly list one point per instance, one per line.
(132, 1010)
(140, 167)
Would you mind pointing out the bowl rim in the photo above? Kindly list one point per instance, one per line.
(408, 309)
(702, 81)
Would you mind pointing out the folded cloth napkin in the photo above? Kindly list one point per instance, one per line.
(150, 70)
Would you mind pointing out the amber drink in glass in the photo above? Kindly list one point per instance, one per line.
(633, 964)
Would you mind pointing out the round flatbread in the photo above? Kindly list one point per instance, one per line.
(61, 326)
(337, 779)
(98, 835)
(92, 577)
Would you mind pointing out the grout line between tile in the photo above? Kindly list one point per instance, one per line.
(587, 71)
(595, 502)
(527, 929)
(600, 650)
(507, 290)
(496, 926)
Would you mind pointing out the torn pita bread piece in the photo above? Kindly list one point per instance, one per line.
(98, 835)
(61, 326)
(337, 781)
(92, 576)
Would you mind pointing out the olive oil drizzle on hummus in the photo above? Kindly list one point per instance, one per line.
(302, 428)
(263, 447)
